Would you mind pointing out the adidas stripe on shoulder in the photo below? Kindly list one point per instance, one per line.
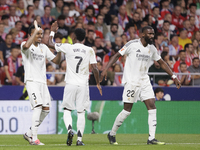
(132, 41)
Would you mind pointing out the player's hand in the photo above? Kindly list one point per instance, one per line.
(178, 83)
(54, 27)
(36, 26)
(103, 74)
(99, 88)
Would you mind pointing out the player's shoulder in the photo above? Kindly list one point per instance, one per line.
(136, 41)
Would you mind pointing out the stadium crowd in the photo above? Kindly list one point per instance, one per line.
(109, 24)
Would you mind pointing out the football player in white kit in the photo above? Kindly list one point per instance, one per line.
(76, 92)
(136, 81)
(34, 55)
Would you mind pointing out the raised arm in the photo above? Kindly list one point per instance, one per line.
(165, 67)
(31, 38)
(54, 29)
(96, 75)
(112, 61)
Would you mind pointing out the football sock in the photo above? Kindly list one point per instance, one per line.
(29, 132)
(67, 119)
(35, 121)
(80, 125)
(152, 123)
(44, 113)
(119, 120)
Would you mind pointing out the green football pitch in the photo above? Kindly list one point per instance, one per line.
(100, 142)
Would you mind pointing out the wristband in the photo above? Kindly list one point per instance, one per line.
(174, 76)
(52, 33)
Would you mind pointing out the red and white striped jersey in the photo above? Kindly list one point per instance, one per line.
(81, 5)
(164, 12)
(19, 37)
(160, 21)
(85, 20)
(69, 21)
(12, 20)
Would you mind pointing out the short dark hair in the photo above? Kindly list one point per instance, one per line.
(114, 24)
(192, 4)
(4, 17)
(15, 47)
(8, 35)
(166, 22)
(187, 46)
(90, 7)
(90, 31)
(156, 7)
(17, 22)
(181, 51)
(163, 54)
(58, 35)
(35, 1)
(146, 28)
(29, 6)
(48, 64)
(91, 23)
(158, 34)
(182, 63)
(195, 58)
(80, 34)
(61, 17)
(31, 28)
(46, 7)
(157, 90)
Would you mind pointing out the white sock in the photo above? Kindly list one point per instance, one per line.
(119, 120)
(80, 125)
(29, 132)
(44, 113)
(152, 123)
(36, 121)
(67, 119)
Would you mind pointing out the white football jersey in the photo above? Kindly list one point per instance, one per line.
(78, 58)
(34, 60)
(137, 61)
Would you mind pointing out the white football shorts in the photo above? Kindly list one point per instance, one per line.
(76, 97)
(38, 94)
(142, 92)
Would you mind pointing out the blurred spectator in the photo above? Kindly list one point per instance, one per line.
(72, 10)
(184, 79)
(38, 19)
(2, 33)
(5, 48)
(118, 78)
(89, 40)
(96, 4)
(193, 27)
(103, 10)
(101, 26)
(166, 31)
(89, 15)
(187, 26)
(56, 11)
(159, 79)
(50, 77)
(60, 77)
(165, 8)
(159, 93)
(62, 28)
(189, 52)
(11, 65)
(168, 17)
(183, 8)
(196, 47)
(37, 10)
(139, 11)
(30, 15)
(146, 9)
(112, 7)
(182, 58)
(165, 56)
(20, 8)
(131, 33)
(156, 18)
(44, 3)
(25, 25)
(177, 19)
(118, 42)
(194, 68)
(4, 8)
(91, 26)
(20, 33)
(159, 37)
(130, 8)
(69, 21)
(81, 5)
(115, 20)
(123, 18)
(13, 17)
(196, 36)
(5, 21)
(182, 39)
(192, 12)
(19, 76)
(46, 19)
(110, 36)
(101, 49)
(124, 39)
(174, 46)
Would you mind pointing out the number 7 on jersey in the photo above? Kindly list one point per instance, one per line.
(79, 62)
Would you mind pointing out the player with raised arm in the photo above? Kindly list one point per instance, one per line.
(34, 55)
(76, 92)
(136, 81)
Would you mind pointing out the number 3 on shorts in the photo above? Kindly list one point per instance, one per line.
(34, 96)
(130, 93)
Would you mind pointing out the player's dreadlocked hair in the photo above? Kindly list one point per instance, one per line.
(145, 28)
(80, 34)
(31, 28)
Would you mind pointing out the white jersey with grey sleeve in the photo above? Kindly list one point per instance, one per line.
(137, 61)
(78, 58)
(34, 59)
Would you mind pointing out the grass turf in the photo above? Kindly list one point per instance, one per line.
(100, 142)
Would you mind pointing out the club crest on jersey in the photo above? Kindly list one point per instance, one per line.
(41, 51)
(149, 51)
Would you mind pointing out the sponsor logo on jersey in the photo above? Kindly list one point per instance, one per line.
(138, 50)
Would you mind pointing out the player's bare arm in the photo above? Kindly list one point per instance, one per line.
(54, 28)
(165, 67)
(30, 41)
(96, 75)
(110, 63)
